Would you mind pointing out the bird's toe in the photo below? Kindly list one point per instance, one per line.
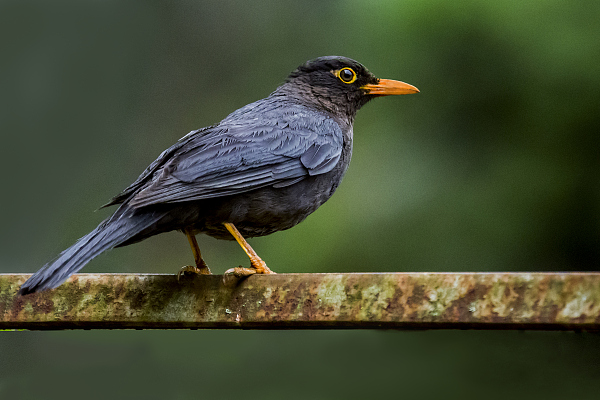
(260, 266)
(233, 275)
(190, 269)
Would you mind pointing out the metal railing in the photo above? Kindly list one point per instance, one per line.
(548, 301)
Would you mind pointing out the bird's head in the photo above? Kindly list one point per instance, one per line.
(340, 85)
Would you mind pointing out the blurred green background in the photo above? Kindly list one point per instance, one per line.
(494, 166)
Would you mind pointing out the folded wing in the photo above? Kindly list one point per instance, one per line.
(241, 155)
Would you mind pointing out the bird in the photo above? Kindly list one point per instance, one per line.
(264, 168)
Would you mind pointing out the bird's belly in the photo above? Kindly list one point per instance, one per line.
(267, 210)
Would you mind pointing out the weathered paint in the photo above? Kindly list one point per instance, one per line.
(552, 301)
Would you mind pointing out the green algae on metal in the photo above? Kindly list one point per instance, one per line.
(556, 301)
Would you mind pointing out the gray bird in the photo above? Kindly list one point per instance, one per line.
(262, 169)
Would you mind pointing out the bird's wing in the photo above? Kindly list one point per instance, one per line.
(241, 155)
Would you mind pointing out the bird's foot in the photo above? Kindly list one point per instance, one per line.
(190, 269)
(233, 275)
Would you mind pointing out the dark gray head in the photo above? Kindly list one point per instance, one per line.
(339, 85)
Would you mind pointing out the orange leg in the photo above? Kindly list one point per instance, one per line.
(201, 268)
(258, 266)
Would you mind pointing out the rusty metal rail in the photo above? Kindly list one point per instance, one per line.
(550, 301)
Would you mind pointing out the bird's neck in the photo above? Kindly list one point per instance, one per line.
(312, 97)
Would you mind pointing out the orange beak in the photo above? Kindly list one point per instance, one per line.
(388, 87)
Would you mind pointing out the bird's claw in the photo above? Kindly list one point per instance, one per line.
(259, 265)
(193, 270)
(234, 275)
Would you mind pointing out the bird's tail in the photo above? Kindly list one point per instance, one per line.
(120, 227)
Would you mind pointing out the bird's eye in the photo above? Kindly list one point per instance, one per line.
(346, 75)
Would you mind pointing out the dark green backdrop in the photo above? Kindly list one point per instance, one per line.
(494, 166)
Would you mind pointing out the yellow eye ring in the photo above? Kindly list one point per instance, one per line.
(346, 75)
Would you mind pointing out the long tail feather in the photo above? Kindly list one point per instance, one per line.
(120, 227)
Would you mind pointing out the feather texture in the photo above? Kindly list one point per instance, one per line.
(254, 147)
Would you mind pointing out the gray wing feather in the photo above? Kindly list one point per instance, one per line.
(244, 154)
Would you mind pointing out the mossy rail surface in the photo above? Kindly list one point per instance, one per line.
(550, 301)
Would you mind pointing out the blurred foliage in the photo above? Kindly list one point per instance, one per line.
(493, 166)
